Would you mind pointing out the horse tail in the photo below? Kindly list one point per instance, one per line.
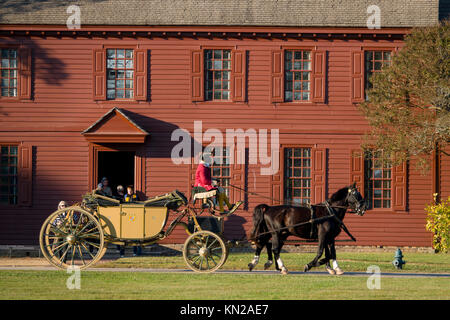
(258, 220)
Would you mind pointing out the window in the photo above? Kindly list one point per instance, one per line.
(120, 74)
(297, 75)
(9, 72)
(384, 187)
(297, 175)
(221, 168)
(378, 181)
(8, 174)
(217, 74)
(374, 61)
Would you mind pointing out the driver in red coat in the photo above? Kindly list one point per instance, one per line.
(203, 179)
(203, 176)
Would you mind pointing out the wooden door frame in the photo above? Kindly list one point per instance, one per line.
(139, 163)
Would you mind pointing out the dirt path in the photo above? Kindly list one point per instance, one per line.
(46, 267)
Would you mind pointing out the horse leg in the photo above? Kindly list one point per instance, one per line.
(314, 262)
(326, 260)
(336, 268)
(269, 262)
(277, 244)
(259, 247)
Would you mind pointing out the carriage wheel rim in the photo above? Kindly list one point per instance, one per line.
(209, 256)
(67, 244)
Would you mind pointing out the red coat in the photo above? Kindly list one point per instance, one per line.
(203, 177)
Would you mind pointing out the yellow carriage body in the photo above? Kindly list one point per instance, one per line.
(133, 221)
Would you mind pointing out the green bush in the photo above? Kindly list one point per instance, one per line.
(438, 222)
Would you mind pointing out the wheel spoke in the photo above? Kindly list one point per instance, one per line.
(214, 254)
(207, 263)
(64, 242)
(54, 252)
(73, 256)
(194, 261)
(201, 262)
(87, 225)
(87, 235)
(60, 231)
(195, 244)
(206, 240)
(92, 244)
(215, 240)
(50, 236)
(63, 256)
(55, 243)
(80, 218)
(87, 250)
(215, 263)
(81, 255)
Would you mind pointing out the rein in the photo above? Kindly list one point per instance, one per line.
(278, 200)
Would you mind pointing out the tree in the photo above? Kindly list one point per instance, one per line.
(408, 105)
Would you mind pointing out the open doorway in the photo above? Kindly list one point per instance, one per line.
(117, 166)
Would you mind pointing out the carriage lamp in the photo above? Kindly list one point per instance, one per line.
(398, 259)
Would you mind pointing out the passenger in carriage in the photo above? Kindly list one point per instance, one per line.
(130, 196)
(120, 194)
(103, 188)
(203, 179)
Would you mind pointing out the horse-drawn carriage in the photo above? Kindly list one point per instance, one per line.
(79, 235)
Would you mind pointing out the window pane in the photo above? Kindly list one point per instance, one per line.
(120, 94)
(120, 53)
(128, 94)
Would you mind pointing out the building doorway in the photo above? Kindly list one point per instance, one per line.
(118, 167)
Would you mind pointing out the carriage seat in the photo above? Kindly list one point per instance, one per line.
(202, 193)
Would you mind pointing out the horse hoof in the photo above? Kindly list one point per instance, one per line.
(331, 271)
(250, 267)
(267, 265)
(284, 271)
(306, 268)
(339, 271)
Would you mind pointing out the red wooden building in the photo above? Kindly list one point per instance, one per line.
(104, 99)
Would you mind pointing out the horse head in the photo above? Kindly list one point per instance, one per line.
(355, 200)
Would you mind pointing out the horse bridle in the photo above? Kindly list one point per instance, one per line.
(351, 196)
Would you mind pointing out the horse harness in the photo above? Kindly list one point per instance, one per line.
(314, 220)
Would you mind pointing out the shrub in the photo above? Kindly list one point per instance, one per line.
(438, 222)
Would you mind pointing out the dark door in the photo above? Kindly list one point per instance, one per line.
(117, 166)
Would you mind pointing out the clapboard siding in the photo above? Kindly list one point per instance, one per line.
(63, 106)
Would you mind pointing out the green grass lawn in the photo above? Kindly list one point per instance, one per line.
(354, 261)
(139, 285)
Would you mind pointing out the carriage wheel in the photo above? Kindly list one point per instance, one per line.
(72, 237)
(205, 251)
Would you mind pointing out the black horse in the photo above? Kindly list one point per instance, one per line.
(275, 223)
